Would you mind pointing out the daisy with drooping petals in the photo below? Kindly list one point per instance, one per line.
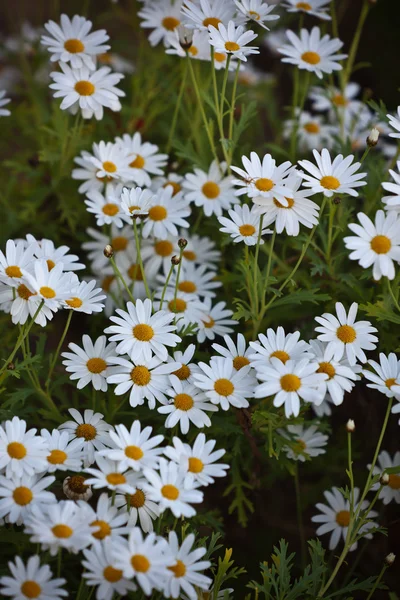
(186, 567)
(4, 112)
(71, 42)
(19, 494)
(162, 17)
(23, 303)
(215, 321)
(394, 123)
(223, 385)
(257, 10)
(335, 517)
(90, 364)
(289, 382)
(345, 335)
(376, 244)
(264, 178)
(391, 491)
(307, 442)
(135, 201)
(87, 173)
(86, 298)
(332, 177)
(233, 40)
(170, 489)
(213, 191)
(187, 405)
(312, 52)
(100, 572)
(63, 454)
(243, 225)
(134, 448)
(110, 474)
(144, 159)
(21, 452)
(108, 521)
(277, 344)
(52, 286)
(316, 8)
(31, 581)
(92, 429)
(392, 203)
(16, 261)
(166, 214)
(107, 209)
(386, 378)
(200, 48)
(89, 91)
(209, 12)
(139, 507)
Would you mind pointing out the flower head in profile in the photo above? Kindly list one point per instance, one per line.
(257, 11)
(332, 177)
(316, 8)
(391, 491)
(394, 123)
(392, 202)
(386, 378)
(233, 40)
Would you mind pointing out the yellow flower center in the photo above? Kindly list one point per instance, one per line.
(210, 323)
(57, 457)
(312, 58)
(74, 46)
(103, 529)
(24, 293)
(193, 51)
(195, 465)
(189, 255)
(110, 209)
(31, 589)
(105, 58)
(96, 365)
(74, 302)
(254, 15)
(210, 190)
(339, 100)
(85, 88)
(328, 368)
(76, 484)
(264, 185)
(299, 446)
(86, 431)
(290, 382)
(47, 292)
(112, 575)
(394, 481)
(381, 244)
(179, 570)
(281, 355)
(133, 208)
(183, 373)
(343, 518)
(177, 306)
(170, 23)
(183, 402)
(312, 127)
(189, 287)
(16, 450)
(214, 21)
(239, 362)
(176, 186)
(143, 332)
(278, 204)
(304, 6)
(22, 496)
(140, 375)
(109, 166)
(346, 334)
(224, 387)
(140, 563)
(50, 264)
(134, 452)
(329, 182)
(390, 382)
(170, 492)
(116, 478)
(119, 243)
(163, 248)
(138, 163)
(135, 273)
(231, 46)
(158, 213)
(247, 230)
(137, 499)
(62, 531)
(13, 271)
(219, 57)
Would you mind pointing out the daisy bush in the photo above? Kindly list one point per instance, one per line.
(199, 296)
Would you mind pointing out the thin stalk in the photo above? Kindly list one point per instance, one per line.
(57, 352)
(256, 253)
(354, 46)
(295, 100)
(178, 276)
(171, 270)
(299, 514)
(232, 115)
(332, 212)
(139, 258)
(395, 301)
(214, 81)
(177, 108)
(366, 152)
(120, 277)
(377, 582)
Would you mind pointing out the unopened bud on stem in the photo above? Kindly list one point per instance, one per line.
(108, 251)
(185, 37)
(350, 426)
(182, 243)
(384, 479)
(175, 260)
(373, 137)
(390, 558)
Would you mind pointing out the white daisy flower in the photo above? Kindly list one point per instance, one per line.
(110, 474)
(99, 571)
(19, 494)
(233, 40)
(185, 372)
(204, 13)
(257, 10)
(392, 203)
(61, 525)
(335, 517)
(193, 280)
(394, 123)
(16, 262)
(306, 442)
(146, 379)
(186, 567)
(201, 250)
(198, 460)
(341, 377)
(23, 303)
(298, 211)
(332, 177)
(51, 286)
(71, 42)
(108, 522)
(90, 364)
(187, 405)
(391, 491)
(31, 581)
(170, 489)
(264, 178)
(135, 201)
(223, 385)
(87, 173)
(386, 378)
(216, 321)
(376, 244)
(120, 239)
(144, 159)
(199, 50)
(325, 408)
(162, 17)
(107, 209)
(166, 214)
(311, 131)
(86, 298)
(63, 454)
(312, 52)
(157, 254)
(141, 334)
(139, 507)
(143, 558)
(134, 448)
(4, 112)
(111, 161)
(116, 62)
(345, 335)
(171, 179)
(289, 382)
(89, 91)
(316, 8)
(21, 452)
(239, 353)
(92, 429)
(243, 225)
(278, 344)
(186, 308)
(45, 249)
(335, 100)
(213, 191)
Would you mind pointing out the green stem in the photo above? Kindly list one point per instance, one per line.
(177, 277)
(396, 303)
(299, 515)
(214, 81)
(256, 253)
(232, 115)
(354, 46)
(377, 582)
(171, 270)
(332, 212)
(120, 277)
(366, 152)
(295, 100)
(177, 108)
(139, 258)
(57, 352)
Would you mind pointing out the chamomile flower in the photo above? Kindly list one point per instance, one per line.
(107, 209)
(146, 379)
(277, 344)
(186, 567)
(21, 452)
(31, 580)
(87, 173)
(61, 525)
(157, 254)
(139, 507)
(100, 572)
(63, 454)
(199, 50)
(201, 251)
(213, 191)
(216, 321)
(336, 101)
(311, 131)
(90, 364)
(144, 158)
(289, 383)
(134, 448)
(75, 488)
(186, 308)
(386, 378)
(51, 286)
(111, 161)
(185, 372)
(121, 240)
(110, 474)
(335, 517)
(135, 201)
(223, 385)
(394, 123)
(193, 280)
(170, 489)
(92, 429)
(16, 261)
(392, 203)
(4, 112)
(332, 177)
(257, 10)
(198, 460)
(45, 249)
(204, 13)
(316, 8)
(89, 91)
(108, 521)
(162, 17)
(243, 225)
(187, 405)
(239, 353)
(86, 298)
(344, 335)
(263, 178)
(24, 303)
(71, 42)
(233, 40)
(307, 442)
(166, 214)
(391, 491)
(376, 244)
(19, 494)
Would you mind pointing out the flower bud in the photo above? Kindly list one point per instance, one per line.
(350, 426)
(175, 260)
(384, 479)
(108, 251)
(10, 366)
(390, 558)
(75, 488)
(185, 37)
(182, 243)
(373, 137)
